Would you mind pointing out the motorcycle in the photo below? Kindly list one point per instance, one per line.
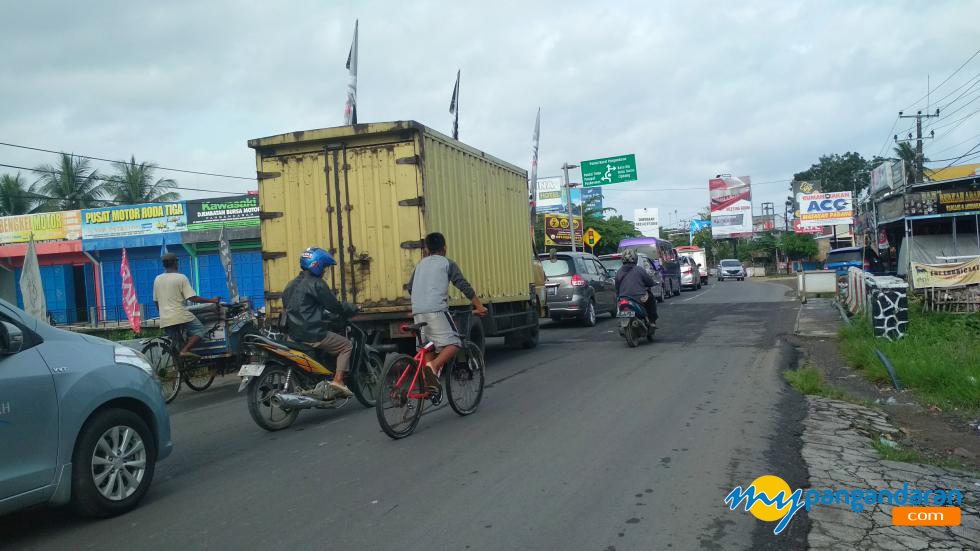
(633, 321)
(283, 377)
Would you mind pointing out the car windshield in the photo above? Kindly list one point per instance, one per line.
(556, 268)
(844, 256)
(731, 263)
(612, 264)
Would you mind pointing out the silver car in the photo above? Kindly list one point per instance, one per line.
(82, 420)
(731, 268)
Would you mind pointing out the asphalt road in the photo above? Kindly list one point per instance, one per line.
(582, 443)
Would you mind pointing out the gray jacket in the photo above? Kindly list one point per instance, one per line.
(429, 284)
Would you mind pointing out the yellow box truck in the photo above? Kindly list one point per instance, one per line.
(370, 193)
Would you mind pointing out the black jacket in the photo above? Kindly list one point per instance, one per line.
(633, 282)
(305, 299)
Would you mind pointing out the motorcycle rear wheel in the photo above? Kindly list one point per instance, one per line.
(260, 391)
(367, 379)
(632, 334)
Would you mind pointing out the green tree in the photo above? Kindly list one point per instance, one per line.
(798, 246)
(847, 172)
(16, 197)
(70, 185)
(133, 184)
(613, 230)
(906, 152)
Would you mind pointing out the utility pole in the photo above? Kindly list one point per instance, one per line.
(918, 140)
(571, 215)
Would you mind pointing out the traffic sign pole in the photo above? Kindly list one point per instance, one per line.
(571, 215)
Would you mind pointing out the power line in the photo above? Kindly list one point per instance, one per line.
(954, 161)
(888, 137)
(102, 179)
(648, 190)
(916, 102)
(957, 145)
(958, 88)
(125, 162)
(956, 121)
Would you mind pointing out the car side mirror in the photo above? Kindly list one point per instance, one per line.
(11, 338)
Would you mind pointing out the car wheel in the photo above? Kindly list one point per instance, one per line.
(589, 316)
(720, 279)
(113, 463)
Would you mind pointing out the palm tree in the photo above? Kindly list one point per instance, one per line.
(905, 152)
(70, 185)
(133, 184)
(15, 198)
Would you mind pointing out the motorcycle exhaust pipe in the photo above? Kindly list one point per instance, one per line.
(295, 401)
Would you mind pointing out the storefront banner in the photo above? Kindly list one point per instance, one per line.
(825, 209)
(946, 275)
(47, 226)
(134, 220)
(951, 202)
(228, 212)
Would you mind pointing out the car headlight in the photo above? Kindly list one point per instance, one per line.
(128, 356)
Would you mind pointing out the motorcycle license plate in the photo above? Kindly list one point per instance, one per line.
(251, 370)
(626, 314)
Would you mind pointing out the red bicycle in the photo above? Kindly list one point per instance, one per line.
(402, 393)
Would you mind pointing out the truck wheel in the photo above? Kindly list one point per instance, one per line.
(475, 335)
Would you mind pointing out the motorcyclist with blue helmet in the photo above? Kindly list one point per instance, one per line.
(305, 300)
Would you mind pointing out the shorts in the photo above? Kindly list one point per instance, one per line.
(187, 330)
(440, 329)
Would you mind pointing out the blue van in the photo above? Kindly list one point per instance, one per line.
(664, 257)
(863, 258)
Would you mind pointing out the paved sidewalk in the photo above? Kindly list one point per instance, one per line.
(838, 452)
(818, 317)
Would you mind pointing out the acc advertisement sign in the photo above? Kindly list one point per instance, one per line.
(946, 275)
(146, 219)
(48, 226)
(731, 206)
(825, 209)
(647, 222)
(550, 195)
(557, 233)
(214, 214)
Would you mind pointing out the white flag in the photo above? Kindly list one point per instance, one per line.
(533, 187)
(454, 107)
(30, 285)
(350, 108)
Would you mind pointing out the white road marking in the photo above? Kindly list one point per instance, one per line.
(701, 293)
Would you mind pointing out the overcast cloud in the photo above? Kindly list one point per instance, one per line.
(693, 89)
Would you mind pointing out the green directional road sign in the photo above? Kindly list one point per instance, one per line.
(602, 172)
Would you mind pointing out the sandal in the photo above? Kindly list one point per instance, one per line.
(432, 384)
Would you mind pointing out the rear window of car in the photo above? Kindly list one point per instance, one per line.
(731, 263)
(844, 256)
(612, 264)
(558, 267)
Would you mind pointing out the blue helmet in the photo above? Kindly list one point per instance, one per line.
(315, 260)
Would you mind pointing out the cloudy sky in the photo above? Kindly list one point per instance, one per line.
(694, 89)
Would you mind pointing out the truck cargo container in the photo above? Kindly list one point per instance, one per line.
(370, 193)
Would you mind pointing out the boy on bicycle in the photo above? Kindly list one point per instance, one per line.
(429, 287)
(171, 290)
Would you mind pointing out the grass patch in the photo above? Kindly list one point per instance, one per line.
(809, 380)
(939, 358)
(910, 455)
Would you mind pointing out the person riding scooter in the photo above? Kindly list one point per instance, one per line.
(634, 282)
(305, 299)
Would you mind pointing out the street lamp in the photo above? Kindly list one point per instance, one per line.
(571, 216)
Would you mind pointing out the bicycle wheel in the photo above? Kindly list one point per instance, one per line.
(464, 385)
(163, 358)
(398, 414)
(199, 376)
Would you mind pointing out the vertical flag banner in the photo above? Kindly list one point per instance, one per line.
(30, 284)
(224, 253)
(350, 108)
(163, 249)
(532, 188)
(130, 303)
(454, 107)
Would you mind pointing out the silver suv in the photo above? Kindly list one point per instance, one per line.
(731, 268)
(578, 286)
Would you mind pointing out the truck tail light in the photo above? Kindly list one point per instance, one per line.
(577, 281)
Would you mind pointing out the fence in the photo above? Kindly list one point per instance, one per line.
(113, 317)
(963, 299)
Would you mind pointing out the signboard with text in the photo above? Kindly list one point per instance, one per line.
(229, 212)
(647, 221)
(557, 232)
(611, 170)
(550, 196)
(731, 206)
(949, 202)
(825, 209)
(47, 226)
(134, 220)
